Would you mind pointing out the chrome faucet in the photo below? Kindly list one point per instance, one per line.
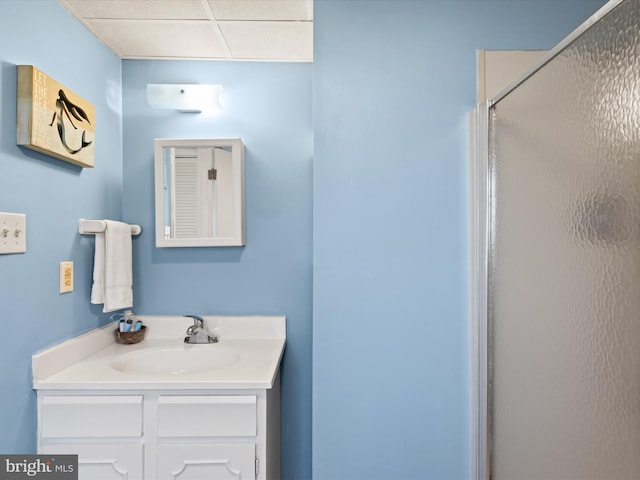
(198, 333)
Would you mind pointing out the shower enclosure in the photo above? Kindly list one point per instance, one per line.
(556, 263)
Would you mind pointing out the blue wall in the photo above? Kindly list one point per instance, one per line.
(268, 105)
(54, 195)
(393, 82)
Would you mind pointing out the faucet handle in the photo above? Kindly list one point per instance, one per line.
(197, 320)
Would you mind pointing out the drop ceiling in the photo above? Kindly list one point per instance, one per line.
(247, 30)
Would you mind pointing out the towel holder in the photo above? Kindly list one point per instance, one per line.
(91, 227)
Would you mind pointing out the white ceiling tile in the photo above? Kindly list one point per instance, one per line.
(287, 41)
(301, 10)
(161, 39)
(253, 29)
(141, 9)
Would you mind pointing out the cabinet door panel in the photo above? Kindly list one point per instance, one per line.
(207, 416)
(91, 416)
(103, 461)
(224, 461)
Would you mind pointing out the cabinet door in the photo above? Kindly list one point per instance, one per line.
(103, 461)
(217, 416)
(221, 461)
(82, 416)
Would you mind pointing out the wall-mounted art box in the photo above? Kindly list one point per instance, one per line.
(53, 120)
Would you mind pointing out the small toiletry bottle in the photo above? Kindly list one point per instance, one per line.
(128, 321)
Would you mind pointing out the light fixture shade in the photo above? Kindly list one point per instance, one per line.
(184, 97)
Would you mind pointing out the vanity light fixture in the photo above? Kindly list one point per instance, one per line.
(193, 98)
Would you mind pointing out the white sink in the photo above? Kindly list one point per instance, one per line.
(176, 360)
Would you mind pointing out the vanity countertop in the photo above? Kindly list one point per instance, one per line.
(94, 360)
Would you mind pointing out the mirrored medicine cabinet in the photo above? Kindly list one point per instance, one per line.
(199, 192)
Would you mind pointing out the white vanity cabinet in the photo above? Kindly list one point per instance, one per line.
(164, 435)
(215, 416)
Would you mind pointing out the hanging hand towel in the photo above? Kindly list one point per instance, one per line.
(112, 268)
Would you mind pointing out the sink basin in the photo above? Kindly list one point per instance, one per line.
(176, 360)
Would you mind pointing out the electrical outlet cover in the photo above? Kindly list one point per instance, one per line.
(66, 277)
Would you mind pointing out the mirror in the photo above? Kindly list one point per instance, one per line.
(199, 187)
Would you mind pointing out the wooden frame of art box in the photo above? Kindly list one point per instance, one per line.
(54, 120)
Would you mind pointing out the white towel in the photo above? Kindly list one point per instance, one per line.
(112, 268)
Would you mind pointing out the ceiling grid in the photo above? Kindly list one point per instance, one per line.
(244, 30)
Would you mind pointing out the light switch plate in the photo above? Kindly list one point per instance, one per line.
(13, 233)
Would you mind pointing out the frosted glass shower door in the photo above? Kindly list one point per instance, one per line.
(564, 263)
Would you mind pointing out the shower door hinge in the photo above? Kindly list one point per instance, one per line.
(212, 174)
